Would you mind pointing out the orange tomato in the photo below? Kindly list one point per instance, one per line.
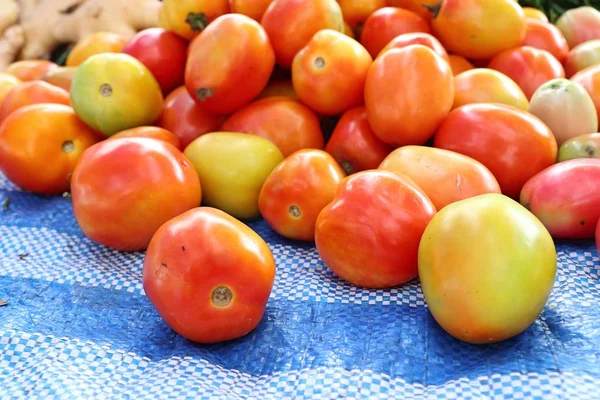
(152, 132)
(589, 78)
(387, 23)
(96, 43)
(459, 64)
(409, 84)
(479, 29)
(289, 124)
(329, 73)
(188, 18)
(40, 145)
(484, 85)
(60, 77)
(297, 190)
(7, 82)
(416, 6)
(30, 70)
(547, 37)
(33, 92)
(445, 176)
(529, 67)
(283, 87)
(357, 11)
(535, 14)
(254, 9)
(407, 39)
(582, 56)
(579, 25)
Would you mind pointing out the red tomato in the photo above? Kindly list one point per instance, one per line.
(96, 43)
(208, 275)
(387, 23)
(459, 64)
(152, 132)
(241, 49)
(545, 36)
(529, 67)
(407, 39)
(579, 25)
(297, 190)
(39, 146)
(290, 24)
(188, 18)
(409, 84)
(357, 11)
(254, 9)
(29, 93)
(369, 234)
(513, 144)
(329, 73)
(117, 203)
(30, 70)
(164, 53)
(186, 118)
(289, 124)
(353, 143)
(598, 236)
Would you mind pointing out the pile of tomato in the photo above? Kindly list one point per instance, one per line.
(465, 141)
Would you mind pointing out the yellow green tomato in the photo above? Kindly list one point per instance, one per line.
(233, 168)
(584, 146)
(487, 267)
(112, 92)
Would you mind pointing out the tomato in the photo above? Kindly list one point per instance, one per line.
(28, 93)
(208, 275)
(513, 144)
(545, 36)
(241, 49)
(579, 25)
(369, 234)
(385, 24)
(409, 84)
(459, 64)
(275, 88)
(188, 18)
(233, 168)
(566, 108)
(529, 67)
(152, 132)
(61, 77)
(329, 73)
(353, 143)
(39, 146)
(7, 82)
(582, 56)
(290, 24)
(535, 14)
(417, 6)
(479, 29)
(598, 236)
(30, 70)
(164, 53)
(113, 92)
(289, 124)
(584, 146)
(96, 43)
(445, 176)
(254, 9)
(297, 190)
(483, 85)
(118, 204)
(565, 198)
(487, 267)
(407, 39)
(357, 11)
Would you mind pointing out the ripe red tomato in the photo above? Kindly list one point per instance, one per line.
(297, 190)
(407, 39)
(529, 67)
(208, 275)
(30, 70)
(241, 49)
(545, 36)
(186, 118)
(290, 24)
(329, 73)
(39, 146)
(409, 84)
(381, 217)
(164, 53)
(29, 93)
(513, 144)
(387, 23)
(289, 124)
(117, 203)
(152, 132)
(254, 9)
(598, 236)
(353, 143)
(188, 18)
(357, 11)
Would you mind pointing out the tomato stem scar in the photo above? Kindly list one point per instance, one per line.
(319, 62)
(68, 146)
(294, 211)
(347, 167)
(204, 93)
(197, 21)
(222, 296)
(105, 90)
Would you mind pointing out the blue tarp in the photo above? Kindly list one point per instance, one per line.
(78, 325)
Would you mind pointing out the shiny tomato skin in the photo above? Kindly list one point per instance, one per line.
(387, 23)
(174, 15)
(329, 73)
(254, 9)
(297, 190)
(353, 143)
(369, 234)
(290, 24)
(484, 85)
(545, 36)
(151, 132)
(582, 56)
(407, 39)
(357, 11)
(589, 78)
(96, 43)
(528, 66)
(30, 70)
(241, 49)
(164, 53)
(535, 14)
(118, 204)
(40, 145)
(7, 82)
(409, 84)
(34, 92)
(208, 275)
(288, 123)
(579, 25)
(565, 198)
(513, 144)
(459, 64)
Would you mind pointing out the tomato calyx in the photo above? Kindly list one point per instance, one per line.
(294, 211)
(105, 90)
(197, 21)
(434, 9)
(68, 146)
(204, 93)
(221, 296)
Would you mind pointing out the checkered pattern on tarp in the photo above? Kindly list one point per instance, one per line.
(78, 325)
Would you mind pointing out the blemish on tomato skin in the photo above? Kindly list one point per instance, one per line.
(161, 271)
(582, 223)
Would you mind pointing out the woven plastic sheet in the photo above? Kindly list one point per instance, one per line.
(78, 325)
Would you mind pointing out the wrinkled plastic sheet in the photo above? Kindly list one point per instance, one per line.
(78, 325)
